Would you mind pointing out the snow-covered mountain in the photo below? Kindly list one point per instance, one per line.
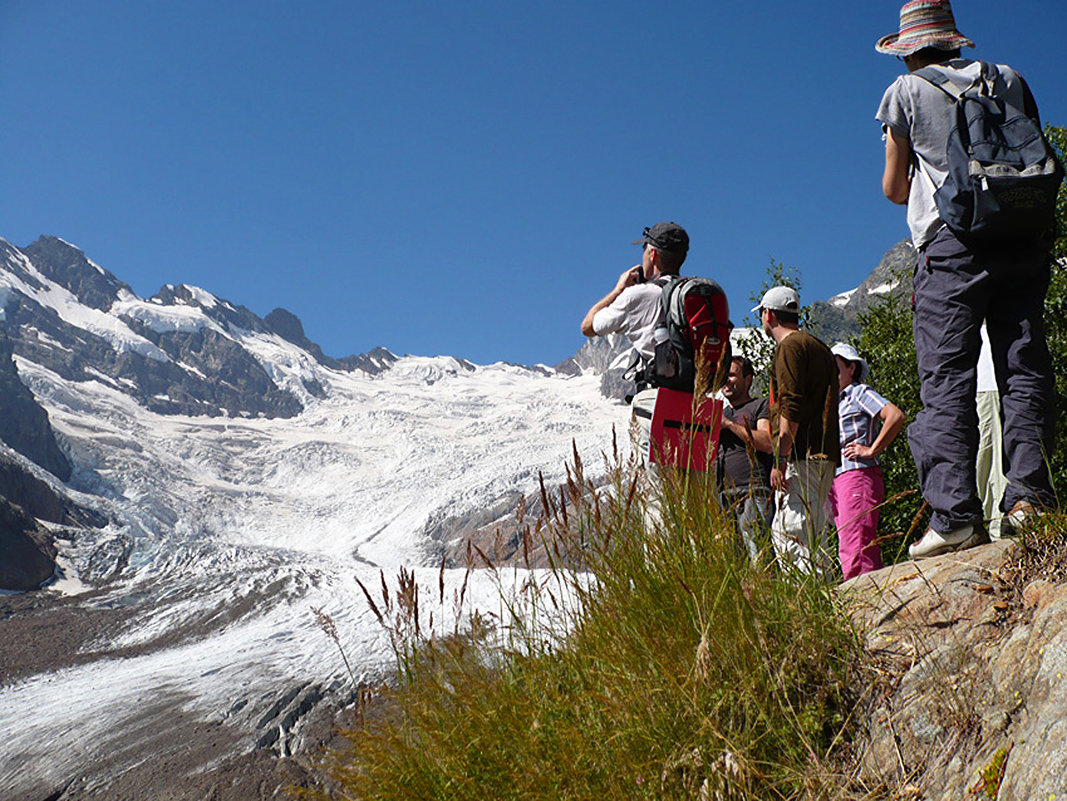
(234, 477)
(838, 317)
(204, 478)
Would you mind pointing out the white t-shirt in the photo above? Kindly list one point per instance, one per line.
(635, 312)
(987, 379)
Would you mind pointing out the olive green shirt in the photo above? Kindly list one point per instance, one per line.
(804, 387)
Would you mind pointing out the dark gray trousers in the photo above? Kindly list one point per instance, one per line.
(956, 288)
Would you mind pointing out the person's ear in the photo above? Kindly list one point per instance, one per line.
(654, 257)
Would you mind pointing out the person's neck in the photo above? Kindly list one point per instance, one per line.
(781, 332)
(918, 64)
(736, 403)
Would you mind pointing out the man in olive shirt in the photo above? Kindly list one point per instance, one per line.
(804, 394)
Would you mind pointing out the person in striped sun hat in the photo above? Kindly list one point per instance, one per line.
(959, 283)
(923, 24)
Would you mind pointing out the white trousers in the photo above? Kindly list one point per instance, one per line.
(989, 463)
(799, 529)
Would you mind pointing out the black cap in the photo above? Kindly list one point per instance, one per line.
(667, 236)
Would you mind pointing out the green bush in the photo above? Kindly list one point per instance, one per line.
(1056, 318)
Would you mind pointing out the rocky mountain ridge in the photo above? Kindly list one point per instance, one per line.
(181, 351)
(838, 317)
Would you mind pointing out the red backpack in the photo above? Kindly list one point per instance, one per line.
(695, 330)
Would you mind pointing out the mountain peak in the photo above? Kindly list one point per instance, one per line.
(66, 265)
(286, 325)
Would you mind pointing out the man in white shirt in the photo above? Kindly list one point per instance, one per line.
(634, 308)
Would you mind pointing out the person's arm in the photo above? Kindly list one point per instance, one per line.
(892, 422)
(896, 180)
(758, 437)
(787, 434)
(628, 278)
(761, 436)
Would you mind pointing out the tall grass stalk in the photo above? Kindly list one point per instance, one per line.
(682, 671)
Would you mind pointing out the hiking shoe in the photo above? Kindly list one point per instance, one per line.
(935, 543)
(1021, 513)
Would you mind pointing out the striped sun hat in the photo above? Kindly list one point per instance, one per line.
(924, 23)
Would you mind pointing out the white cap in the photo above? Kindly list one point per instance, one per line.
(850, 354)
(780, 298)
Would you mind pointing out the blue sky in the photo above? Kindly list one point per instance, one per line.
(463, 178)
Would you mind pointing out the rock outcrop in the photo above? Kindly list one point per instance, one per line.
(373, 362)
(24, 424)
(968, 695)
(837, 319)
(28, 552)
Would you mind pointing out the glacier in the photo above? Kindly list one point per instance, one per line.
(223, 533)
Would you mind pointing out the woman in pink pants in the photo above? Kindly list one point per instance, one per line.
(857, 490)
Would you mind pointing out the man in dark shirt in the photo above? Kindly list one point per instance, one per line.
(744, 457)
(804, 393)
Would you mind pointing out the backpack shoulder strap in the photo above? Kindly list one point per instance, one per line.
(987, 77)
(667, 284)
(939, 79)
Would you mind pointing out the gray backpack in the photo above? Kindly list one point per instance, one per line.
(1003, 177)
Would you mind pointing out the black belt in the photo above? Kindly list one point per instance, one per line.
(698, 427)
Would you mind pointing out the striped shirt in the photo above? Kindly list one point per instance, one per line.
(857, 409)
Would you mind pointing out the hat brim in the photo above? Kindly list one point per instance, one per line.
(659, 247)
(891, 44)
(775, 309)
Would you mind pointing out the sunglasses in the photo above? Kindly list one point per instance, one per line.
(650, 240)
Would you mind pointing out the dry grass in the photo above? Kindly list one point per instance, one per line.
(683, 670)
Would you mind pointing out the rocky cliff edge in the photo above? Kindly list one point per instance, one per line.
(967, 691)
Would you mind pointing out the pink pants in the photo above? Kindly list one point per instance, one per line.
(854, 500)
